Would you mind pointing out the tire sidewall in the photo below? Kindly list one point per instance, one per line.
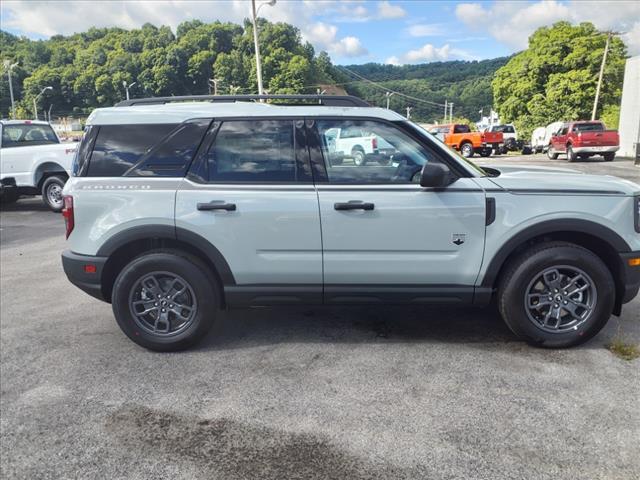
(358, 157)
(204, 291)
(466, 150)
(512, 298)
(53, 180)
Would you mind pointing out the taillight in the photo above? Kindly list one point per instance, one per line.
(374, 143)
(67, 213)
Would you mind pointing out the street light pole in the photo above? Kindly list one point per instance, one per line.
(604, 61)
(127, 87)
(9, 66)
(409, 112)
(388, 95)
(35, 101)
(215, 85)
(256, 44)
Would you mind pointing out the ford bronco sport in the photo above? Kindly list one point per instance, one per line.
(181, 206)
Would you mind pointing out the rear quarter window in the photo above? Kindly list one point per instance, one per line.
(118, 147)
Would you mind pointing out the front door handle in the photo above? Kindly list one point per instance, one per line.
(217, 205)
(353, 205)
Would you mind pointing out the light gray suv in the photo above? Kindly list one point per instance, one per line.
(181, 206)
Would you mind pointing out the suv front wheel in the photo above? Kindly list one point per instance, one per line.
(556, 295)
(165, 300)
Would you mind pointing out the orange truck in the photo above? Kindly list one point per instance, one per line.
(461, 138)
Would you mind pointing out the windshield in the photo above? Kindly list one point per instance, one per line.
(503, 129)
(451, 151)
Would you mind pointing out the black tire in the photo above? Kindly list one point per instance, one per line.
(551, 153)
(9, 195)
(485, 152)
(203, 289)
(466, 150)
(359, 158)
(519, 276)
(608, 157)
(571, 155)
(52, 192)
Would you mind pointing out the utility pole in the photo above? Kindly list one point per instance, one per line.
(409, 112)
(604, 61)
(214, 81)
(445, 112)
(451, 112)
(35, 101)
(10, 66)
(254, 17)
(49, 113)
(388, 95)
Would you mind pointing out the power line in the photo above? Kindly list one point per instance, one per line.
(390, 90)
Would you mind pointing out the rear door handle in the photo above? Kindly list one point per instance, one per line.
(217, 205)
(353, 205)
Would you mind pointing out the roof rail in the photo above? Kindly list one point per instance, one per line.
(326, 100)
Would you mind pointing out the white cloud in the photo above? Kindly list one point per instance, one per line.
(324, 36)
(348, 47)
(512, 23)
(430, 53)
(426, 30)
(387, 10)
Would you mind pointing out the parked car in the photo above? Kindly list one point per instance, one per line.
(359, 145)
(550, 131)
(538, 141)
(178, 210)
(460, 137)
(584, 139)
(510, 137)
(33, 162)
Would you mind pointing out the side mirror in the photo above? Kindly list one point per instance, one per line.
(436, 175)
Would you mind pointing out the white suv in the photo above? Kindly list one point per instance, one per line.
(181, 206)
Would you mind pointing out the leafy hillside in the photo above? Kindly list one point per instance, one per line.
(466, 84)
(87, 70)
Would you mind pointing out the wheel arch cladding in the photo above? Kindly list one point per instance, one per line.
(128, 244)
(601, 240)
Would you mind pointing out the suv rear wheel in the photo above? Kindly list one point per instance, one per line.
(556, 295)
(165, 300)
(52, 192)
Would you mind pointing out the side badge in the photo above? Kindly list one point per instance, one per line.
(459, 238)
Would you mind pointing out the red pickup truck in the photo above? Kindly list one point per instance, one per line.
(584, 139)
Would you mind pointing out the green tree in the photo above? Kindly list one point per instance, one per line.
(555, 78)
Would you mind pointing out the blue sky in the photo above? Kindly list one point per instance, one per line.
(397, 32)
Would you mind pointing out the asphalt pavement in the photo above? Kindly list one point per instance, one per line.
(299, 393)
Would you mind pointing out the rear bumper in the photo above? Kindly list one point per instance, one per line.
(597, 149)
(631, 280)
(75, 267)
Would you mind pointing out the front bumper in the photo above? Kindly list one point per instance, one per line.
(631, 277)
(600, 149)
(79, 270)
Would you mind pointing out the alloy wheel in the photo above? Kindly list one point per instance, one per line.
(560, 298)
(162, 303)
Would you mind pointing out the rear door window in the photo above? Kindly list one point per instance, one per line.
(259, 151)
